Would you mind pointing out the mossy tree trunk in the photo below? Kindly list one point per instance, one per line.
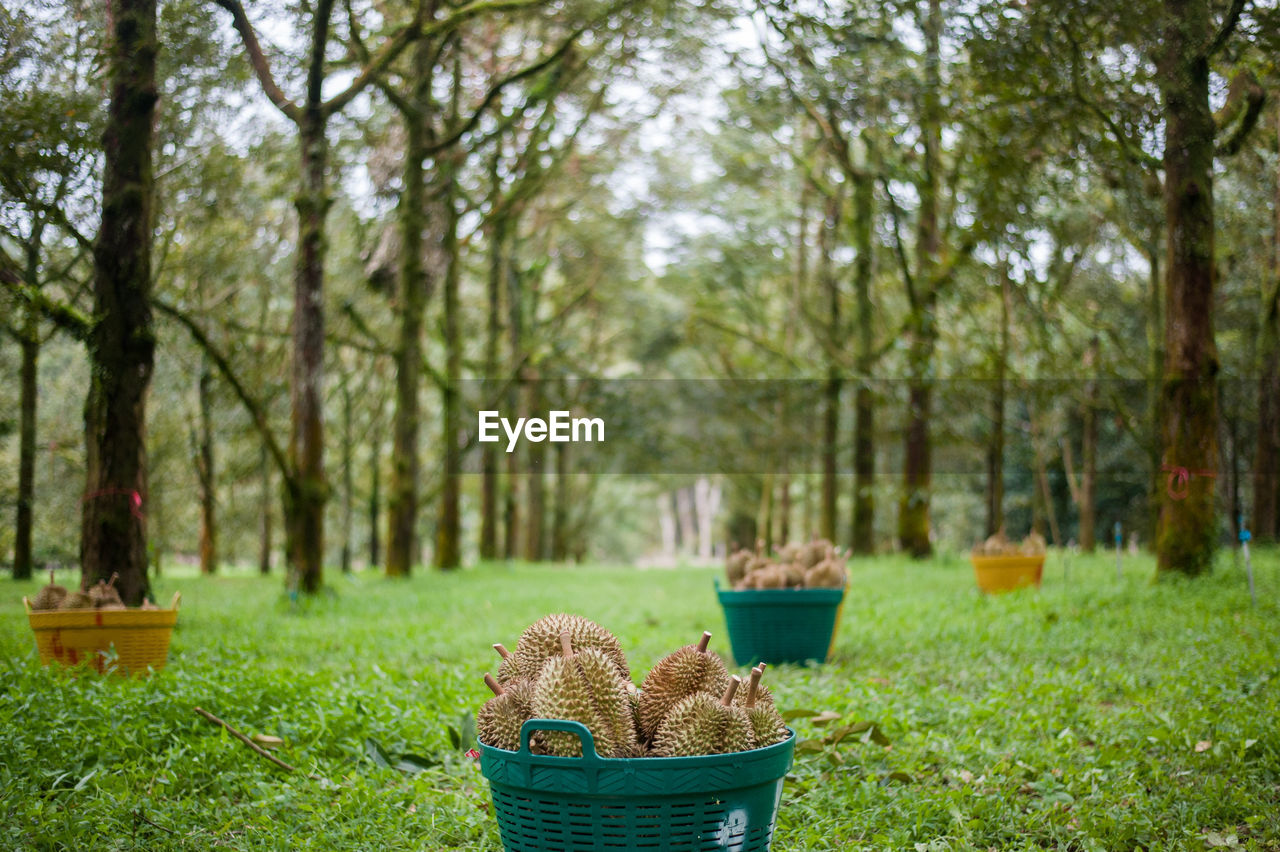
(1189, 398)
(862, 529)
(206, 472)
(1266, 461)
(448, 552)
(29, 342)
(414, 289)
(1089, 452)
(833, 384)
(535, 501)
(995, 441)
(121, 342)
(917, 479)
(493, 331)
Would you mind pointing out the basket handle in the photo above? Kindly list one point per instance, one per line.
(568, 726)
(27, 604)
(177, 596)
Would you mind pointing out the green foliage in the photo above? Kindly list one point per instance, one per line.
(1096, 714)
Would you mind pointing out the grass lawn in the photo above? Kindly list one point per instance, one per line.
(1095, 714)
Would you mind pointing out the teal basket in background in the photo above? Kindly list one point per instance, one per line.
(781, 625)
(593, 803)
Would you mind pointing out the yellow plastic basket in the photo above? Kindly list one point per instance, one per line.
(123, 641)
(997, 574)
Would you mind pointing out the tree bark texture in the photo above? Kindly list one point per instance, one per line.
(493, 332)
(1266, 460)
(1189, 399)
(917, 480)
(862, 531)
(995, 443)
(207, 470)
(560, 512)
(448, 550)
(834, 384)
(121, 344)
(413, 294)
(1089, 452)
(30, 344)
(536, 501)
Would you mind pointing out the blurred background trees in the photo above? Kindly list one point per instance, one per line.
(895, 273)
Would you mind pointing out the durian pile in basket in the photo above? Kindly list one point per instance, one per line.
(999, 545)
(101, 595)
(816, 565)
(567, 667)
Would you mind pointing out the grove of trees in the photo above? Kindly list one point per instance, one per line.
(900, 273)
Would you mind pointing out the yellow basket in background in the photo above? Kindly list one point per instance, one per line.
(125, 641)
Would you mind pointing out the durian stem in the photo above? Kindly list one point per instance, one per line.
(502, 651)
(115, 575)
(704, 641)
(492, 682)
(566, 645)
(734, 683)
(756, 674)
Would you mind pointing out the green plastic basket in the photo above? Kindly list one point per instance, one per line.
(780, 625)
(576, 804)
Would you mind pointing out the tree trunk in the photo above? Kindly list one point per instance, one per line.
(207, 474)
(307, 493)
(764, 514)
(995, 444)
(535, 503)
(560, 513)
(1155, 369)
(448, 552)
(414, 291)
(784, 507)
(833, 384)
(917, 481)
(1266, 462)
(1189, 399)
(348, 495)
(862, 529)
(375, 498)
(264, 512)
(121, 344)
(1089, 452)
(493, 330)
(30, 343)
(515, 346)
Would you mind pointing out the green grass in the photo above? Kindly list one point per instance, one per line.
(1097, 714)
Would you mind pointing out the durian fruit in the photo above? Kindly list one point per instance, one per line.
(793, 574)
(772, 577)
(735, 565)
(1033, 545)
(677, 676)
(499, 720)
(79, 599)
(827, 574)
(104, 594)
(147, 605)
(767, 726)
(540, 642)
(997, 545)
(789, 552)
(699, 724)
(584, 686)
(50, 596)
(507, 669)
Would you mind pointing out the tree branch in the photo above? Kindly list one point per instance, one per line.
(254, 406)
(64, 316)
(1228, 26)
(1245, 96)
(258, 59)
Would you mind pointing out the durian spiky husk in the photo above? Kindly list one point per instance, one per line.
(76, 600)
(540, 642)
(499, 720)
(49, 597)
(677, 676)
(507, 669)
(699, 724)
(584, 686)
(103, 594)
(767, 726)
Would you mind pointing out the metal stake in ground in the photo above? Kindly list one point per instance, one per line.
(1245, 535)
(1119, 539)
